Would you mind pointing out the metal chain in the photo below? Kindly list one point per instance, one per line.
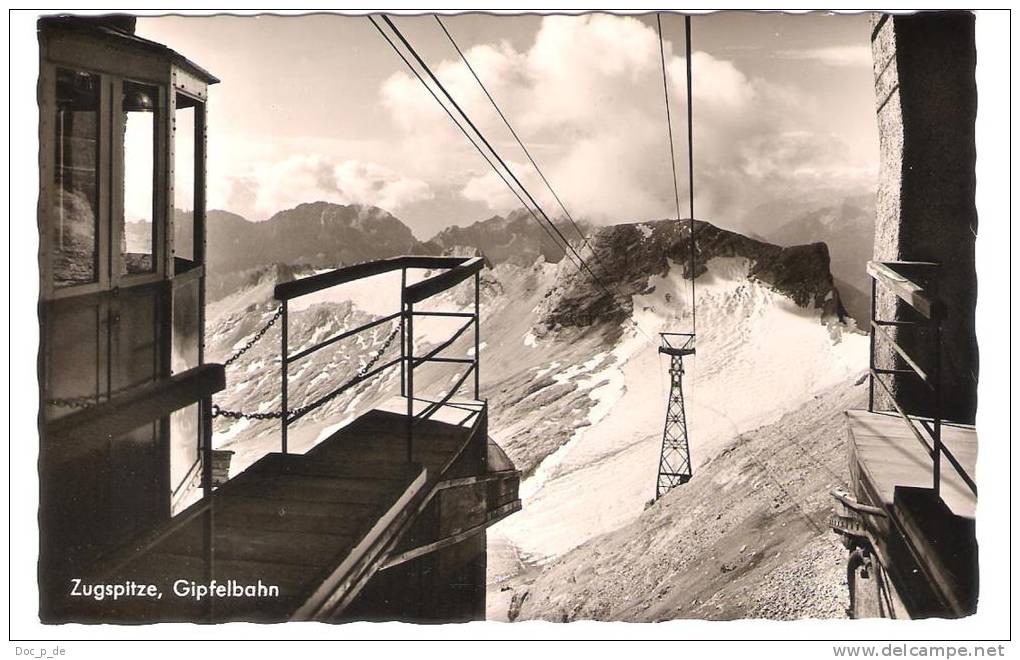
(80, 402)
(237, 414)
(278, 414)
(87, 401)
(354, 380)
(257, 336)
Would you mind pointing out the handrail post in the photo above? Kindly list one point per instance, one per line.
(208, 527)
(478, 279)
(403, 346)
(871, 350)
(206, 444)
(409, 350)
(283, 379)
(937, 463)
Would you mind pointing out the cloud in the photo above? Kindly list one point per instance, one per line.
(835, 56)
(586, 98)
(272, 186)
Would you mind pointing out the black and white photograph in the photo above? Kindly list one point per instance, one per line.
(513, 320)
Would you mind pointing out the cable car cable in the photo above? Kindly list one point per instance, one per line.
(690, 165)
(669, 122)
(583, 265)
(492, 149)
(496, 154)
(690, 148)
(466, 134)
(514, 133)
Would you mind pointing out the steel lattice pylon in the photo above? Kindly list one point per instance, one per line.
(675, 460)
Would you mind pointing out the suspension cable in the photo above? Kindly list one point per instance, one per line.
(690, 149)
(467, 135)
(583, 265)
(514, 133)
(492, 149)
(669, 122)
(690, 166)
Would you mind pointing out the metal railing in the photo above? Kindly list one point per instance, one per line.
(126, 412)
(899, 278)
(454, 271)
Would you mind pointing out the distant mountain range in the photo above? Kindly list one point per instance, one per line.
(318, 234)
(326, 235)
(315, 235)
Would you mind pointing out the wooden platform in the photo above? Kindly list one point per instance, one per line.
(379, 437)
(889, 455)
(925, 542)
(316, 525)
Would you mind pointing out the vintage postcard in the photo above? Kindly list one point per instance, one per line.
(455, 317)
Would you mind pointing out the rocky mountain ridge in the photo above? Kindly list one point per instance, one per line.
(625, 257)
(514, 238)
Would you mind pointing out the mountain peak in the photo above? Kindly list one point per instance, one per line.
(626, 257)
(317, 234)
(515, 238)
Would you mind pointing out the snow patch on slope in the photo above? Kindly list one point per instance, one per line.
(759, 356)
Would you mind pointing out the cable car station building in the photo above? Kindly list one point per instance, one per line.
(909, 520)
(385, 519)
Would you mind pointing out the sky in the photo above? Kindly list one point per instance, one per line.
(319, 108)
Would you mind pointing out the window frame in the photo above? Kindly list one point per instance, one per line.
(109, 176)
(198, 182)
(160, 147)
(47, 171)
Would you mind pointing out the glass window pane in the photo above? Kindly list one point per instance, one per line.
(187, 333)
(139, 105)
(134, 347)
(72, 337)
(75, 203)
(184, 181)
(185, 482)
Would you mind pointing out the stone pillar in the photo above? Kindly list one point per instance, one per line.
(926, 98)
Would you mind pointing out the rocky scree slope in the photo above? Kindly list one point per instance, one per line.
(747, 537)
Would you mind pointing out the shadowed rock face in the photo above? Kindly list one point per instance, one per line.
(223, 284)
(627, 255)
(848, 228)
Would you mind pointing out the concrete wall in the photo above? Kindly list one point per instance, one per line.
(927, 104)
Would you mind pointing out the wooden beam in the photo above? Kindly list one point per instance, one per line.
(344, 582)
(137, 407)
(439, 283)
(306, 285)
(909, 291)
(492, 517)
